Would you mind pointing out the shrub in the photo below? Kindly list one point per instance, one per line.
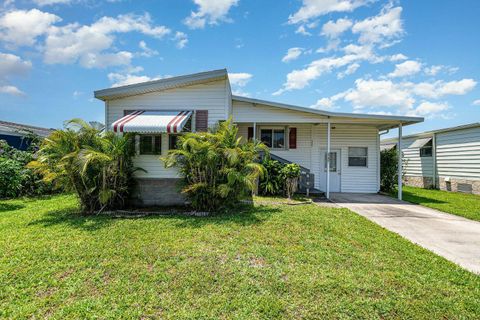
(97, 166)
(15, 179)
(272, 182)
(217, 169)
(290, 174)
(388, 170)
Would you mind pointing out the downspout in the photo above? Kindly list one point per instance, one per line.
(434, 160)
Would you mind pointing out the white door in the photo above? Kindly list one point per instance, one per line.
(335, 172)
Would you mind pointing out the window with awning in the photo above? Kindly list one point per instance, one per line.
(153, 122)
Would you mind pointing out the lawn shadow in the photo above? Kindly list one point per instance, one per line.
(242, 215)
(73, 218)
(4, 207)
(408, 196)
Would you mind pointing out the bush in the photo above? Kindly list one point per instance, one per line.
(388, 170)
(217, 169)
(290, 174)
(15, 178)
(272, 182)
(97, 166)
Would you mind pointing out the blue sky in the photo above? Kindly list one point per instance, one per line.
(416, 58)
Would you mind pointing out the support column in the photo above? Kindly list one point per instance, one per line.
(328, 161)
(254, 131)
(400, 164)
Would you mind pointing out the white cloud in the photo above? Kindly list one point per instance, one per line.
(12, 90)
(315, 8)
(299, 79)
(302, 30)
(292, 54)
(21, 27)
(146, 51)
(88, 44)
(438, 89)
(181, 38)
(407, 68)
(429, 109)
(119, 79)
(379, 93)
(397, 57)
(209, 12)
(383, 28)
(239, 79)
(434, 70)
(50, 2)
(324, 103)
(12, 65)
(476, 102)
(333, 29)
(351, 69)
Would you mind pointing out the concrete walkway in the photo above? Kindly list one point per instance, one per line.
(452, 237)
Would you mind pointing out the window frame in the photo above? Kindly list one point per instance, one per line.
(170, 136)
(155, 138)
(428, 146)
(356, 166)
(272, 131)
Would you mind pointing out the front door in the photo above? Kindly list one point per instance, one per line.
(334, 170)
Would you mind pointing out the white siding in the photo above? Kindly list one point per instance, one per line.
(212, 96)
(247, 112)
(311, 139)
(415, 166)
(458, 154)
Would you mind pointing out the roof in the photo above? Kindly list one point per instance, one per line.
(432, 132)
(397, 119)
(162, 84)
(22, 129)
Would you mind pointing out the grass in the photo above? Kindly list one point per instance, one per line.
(460, 204)
(262, 262)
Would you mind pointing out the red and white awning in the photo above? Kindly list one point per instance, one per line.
(143, 121)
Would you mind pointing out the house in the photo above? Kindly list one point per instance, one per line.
(19, 135)
(159, 110)
(448, 159)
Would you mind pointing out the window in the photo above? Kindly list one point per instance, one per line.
(172, 141)
(273, 138)
(150, 144)
(426, 150)
(357, 156)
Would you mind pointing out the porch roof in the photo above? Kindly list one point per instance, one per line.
(383, 122)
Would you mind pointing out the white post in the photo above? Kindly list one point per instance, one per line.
(254, 131)
(328, 161)
(399, 154)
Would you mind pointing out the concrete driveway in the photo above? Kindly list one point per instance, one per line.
(454, 238)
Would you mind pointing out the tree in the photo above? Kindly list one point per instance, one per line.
(388, 170)
(217, 168)
(97, 166)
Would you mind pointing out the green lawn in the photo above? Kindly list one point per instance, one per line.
(461, 204)
(272, 261)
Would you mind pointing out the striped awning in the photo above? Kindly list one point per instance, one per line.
(143, 121)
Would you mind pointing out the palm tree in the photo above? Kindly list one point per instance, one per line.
(96, 166)
(217, 168)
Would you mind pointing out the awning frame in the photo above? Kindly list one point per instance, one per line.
(153, 121)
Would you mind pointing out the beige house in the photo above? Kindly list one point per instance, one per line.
(159, 110)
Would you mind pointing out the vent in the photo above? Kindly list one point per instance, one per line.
(464, 187)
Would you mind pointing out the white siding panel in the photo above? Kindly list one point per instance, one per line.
(458, 154)
(210, 96)
(247, 112)
(414, 164)
(311, 139)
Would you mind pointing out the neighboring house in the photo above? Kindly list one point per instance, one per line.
(19, 135)
(448, 159)
(158, 110)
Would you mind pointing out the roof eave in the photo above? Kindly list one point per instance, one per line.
(161, 84)
(401, 119)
